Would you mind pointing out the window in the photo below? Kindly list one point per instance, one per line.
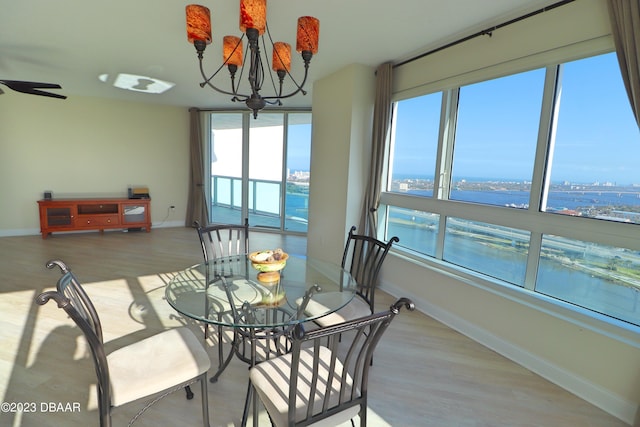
(601, 278)
(266, 147)
(533, 185)
(415, 144)
(226, 168)
(495, 140)
(417, 230)
(298, 167)
(496, 251)
(596, 149)
(260, 169)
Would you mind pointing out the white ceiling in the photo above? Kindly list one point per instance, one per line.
(72, 42)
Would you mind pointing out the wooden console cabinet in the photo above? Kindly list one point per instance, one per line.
(93, 214)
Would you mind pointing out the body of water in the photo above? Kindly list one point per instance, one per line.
(556, 199)
(297, 206)
(574, 286)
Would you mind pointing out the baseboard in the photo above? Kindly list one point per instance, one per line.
(168, 224)
(19, 232)
(592, 393)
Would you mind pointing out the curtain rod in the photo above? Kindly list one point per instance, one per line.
(484, 32)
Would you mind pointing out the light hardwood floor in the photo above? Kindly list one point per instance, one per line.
(424, 373)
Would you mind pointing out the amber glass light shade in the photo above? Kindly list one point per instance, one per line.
(308, 34)
(232, 50)
(281, 56)
(198, 23)
(253, 14)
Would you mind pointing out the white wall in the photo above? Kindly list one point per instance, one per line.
(595, 365)
(87, 147)
(341, 135)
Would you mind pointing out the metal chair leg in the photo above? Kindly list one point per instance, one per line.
(247, 400)
(187, 390)
(205, 400)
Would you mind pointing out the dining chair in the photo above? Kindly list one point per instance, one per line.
(362, 258)
(151, 368)
(318, 383)
(223, 240)
(220, 241)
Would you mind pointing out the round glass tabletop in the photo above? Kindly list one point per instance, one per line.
(233, 292)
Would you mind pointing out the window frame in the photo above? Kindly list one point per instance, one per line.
(246, 181)
(535, 221)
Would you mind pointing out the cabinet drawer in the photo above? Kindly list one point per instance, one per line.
(93, 221)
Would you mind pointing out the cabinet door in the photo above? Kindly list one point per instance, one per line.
(60, 216)
(135, 213)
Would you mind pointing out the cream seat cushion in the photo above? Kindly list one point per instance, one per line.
(156, 363)
(271, 381)
(355, 309)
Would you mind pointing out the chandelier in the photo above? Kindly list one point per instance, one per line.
(253, 23)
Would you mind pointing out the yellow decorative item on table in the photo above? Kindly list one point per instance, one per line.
(268, 260)
(269, 263)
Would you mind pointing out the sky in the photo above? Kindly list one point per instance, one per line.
(299, 147)
(265, 154)
(597, 138)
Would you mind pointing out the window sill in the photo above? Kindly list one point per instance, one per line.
(601, 324)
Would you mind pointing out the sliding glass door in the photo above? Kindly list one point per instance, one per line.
(298, 166)
(259, 169)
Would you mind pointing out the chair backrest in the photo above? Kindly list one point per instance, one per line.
(223, 240)
(72, 298)
(343, 352)
(363, 257)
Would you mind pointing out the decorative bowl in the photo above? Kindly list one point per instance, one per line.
(269, 278)
(264, 261)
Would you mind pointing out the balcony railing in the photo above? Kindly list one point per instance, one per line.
(264, 204)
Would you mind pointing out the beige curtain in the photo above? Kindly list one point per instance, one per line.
(381, 123)
(625, 26)
(197, 203)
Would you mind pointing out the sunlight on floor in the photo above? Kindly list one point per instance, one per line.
(45, 357)
(12, 322)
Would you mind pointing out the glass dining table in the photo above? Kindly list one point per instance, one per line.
(230, 292)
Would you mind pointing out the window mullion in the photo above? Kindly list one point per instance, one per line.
(546, 140)
(283, 177)
(446, 138)
(533, 256)
(542, 167)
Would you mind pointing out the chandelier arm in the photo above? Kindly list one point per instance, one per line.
(299, 86)
(235, 85)
(207, 82)
(200, 47)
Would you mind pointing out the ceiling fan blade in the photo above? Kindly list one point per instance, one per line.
(31, 88)
(43, 93)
